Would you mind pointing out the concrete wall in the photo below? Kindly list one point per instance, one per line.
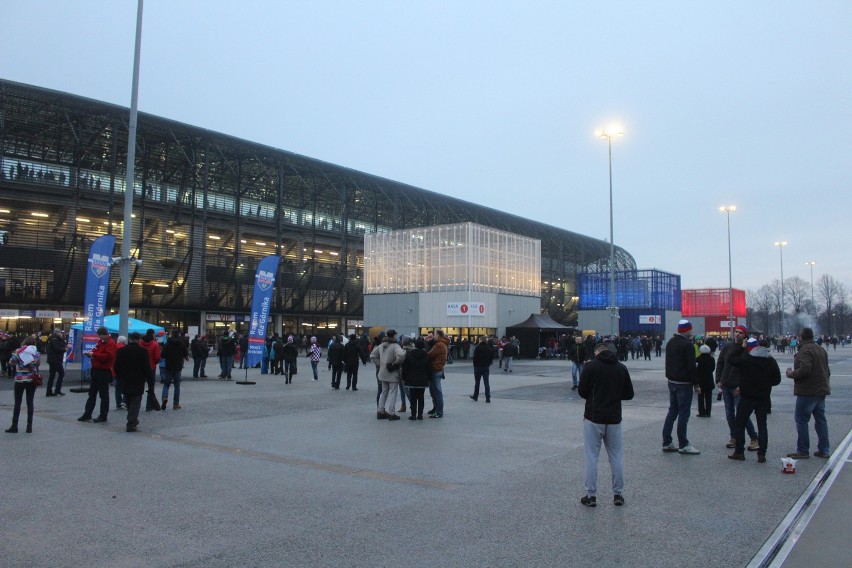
(408, 312)
(596, 320)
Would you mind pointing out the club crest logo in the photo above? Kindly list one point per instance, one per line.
(100, 264)
(265, 280)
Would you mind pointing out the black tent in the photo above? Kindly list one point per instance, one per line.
(534, 331)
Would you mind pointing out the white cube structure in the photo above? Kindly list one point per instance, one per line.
(465, 278)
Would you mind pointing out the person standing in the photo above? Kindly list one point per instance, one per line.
(682, 378)
(133, 368)
(56, 347)
(705, 364)
(103, 356)
(351, 358)
(760, 373)
(227, 350)
(149, 343)
(174, 354)
(290, 353)
(811, 384)
(416, 371)
(315, 353)
(120, 343)
(335, 359)
(200, 351)
(728, 380)
(438, 360)
(26, 361)
(388, 358)
(577, 356)
(482, 359)
(510, 351)
(604, 383)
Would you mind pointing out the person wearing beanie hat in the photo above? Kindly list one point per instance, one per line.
(760, 373)
(290, 354)
(682, 376)
(705, 365)
(315, 354)
(728, 380)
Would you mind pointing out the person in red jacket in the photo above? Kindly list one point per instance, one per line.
(103, 357)
(149, 342)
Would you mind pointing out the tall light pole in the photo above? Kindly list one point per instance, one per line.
(781, 245)
(812, 264)
(124, 288)
(608, 135)
(727, 210)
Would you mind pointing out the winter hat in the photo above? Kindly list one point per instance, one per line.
(751, 343)
(742, 328)
(704, 349)
(683, 326)
(289, 339)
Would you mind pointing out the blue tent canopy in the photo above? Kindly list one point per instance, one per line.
(111, 323)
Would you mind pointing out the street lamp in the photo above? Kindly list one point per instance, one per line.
(727, 210)
(812, 264)
(781, 245)
(608, 135)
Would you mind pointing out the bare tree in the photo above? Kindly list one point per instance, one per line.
(798, 293)
(830, 292)
(761, 304)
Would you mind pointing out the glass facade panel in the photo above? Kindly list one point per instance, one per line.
(450, 258)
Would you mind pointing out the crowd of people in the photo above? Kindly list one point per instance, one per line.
(745, 373)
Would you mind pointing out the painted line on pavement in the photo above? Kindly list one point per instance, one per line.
(776, 549)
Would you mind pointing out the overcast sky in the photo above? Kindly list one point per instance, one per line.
(743, 103)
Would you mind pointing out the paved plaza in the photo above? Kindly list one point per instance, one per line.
(303, 475)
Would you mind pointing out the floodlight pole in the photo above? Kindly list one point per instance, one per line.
(124, 290)
(608, 135)
(727, 210)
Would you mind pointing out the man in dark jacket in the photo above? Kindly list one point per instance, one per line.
(577, 355)
(483, 356)
(227, 349)
(728, 380)
(682, 375)
(335, 359)
(56, 347)
(174, 353)
(811, 377)
(132, 367)
(760, 373)
(604, 383)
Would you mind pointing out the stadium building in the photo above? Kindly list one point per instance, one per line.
(207, 208)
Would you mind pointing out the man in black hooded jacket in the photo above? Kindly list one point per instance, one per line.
(604, 383)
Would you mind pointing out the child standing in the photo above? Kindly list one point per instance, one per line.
(706, 366)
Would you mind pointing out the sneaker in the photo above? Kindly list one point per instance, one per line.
(823, 455)
(59, 393)
(618, 500)
(731, 444)
(798, 456)
(436, 415)
(670, 448)
(99, 420)
(382, 415)
(589, 501)
(431, 412)
(737, 457)
(753, 446)
(689, 451)
(393, 417)
(761, 458)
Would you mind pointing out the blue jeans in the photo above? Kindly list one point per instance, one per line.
(576, 371)
(680, 402)
(805, 407)
(732, 403)
(314, 367)
(169, 377)
(226, 362)
(436, 393)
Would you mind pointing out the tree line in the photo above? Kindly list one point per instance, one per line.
(824, 307)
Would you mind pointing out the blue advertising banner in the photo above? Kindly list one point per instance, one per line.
(264, 282)
(97, 288)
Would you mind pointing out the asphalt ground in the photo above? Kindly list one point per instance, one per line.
(303, 475)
